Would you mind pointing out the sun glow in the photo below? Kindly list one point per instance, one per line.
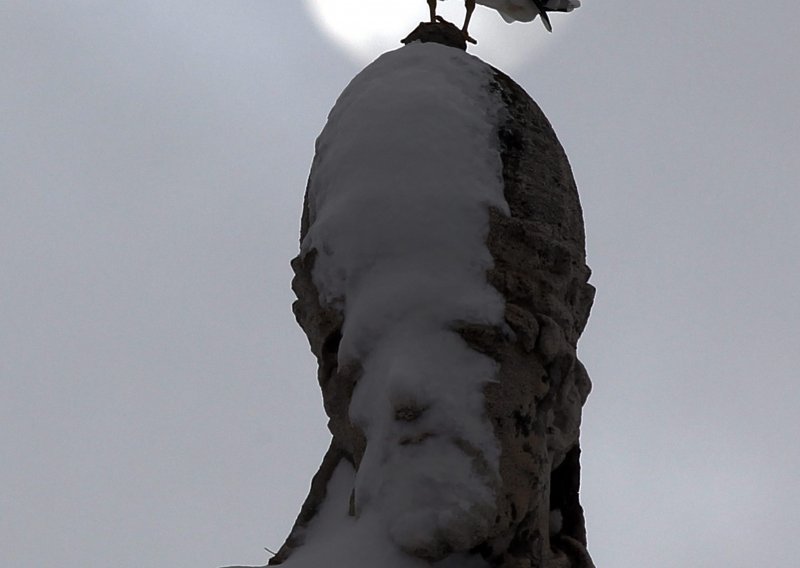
(366, 28)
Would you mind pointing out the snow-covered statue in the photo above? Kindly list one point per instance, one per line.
(442, 284)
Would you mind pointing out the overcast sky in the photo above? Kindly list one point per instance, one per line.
(158, 403)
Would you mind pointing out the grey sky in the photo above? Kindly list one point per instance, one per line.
(158, 404)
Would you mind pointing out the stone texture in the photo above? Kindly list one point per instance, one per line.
(535, 405)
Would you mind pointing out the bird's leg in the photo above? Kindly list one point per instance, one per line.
(432, 6)
(470, 6)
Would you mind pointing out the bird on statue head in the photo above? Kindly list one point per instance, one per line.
(513, 11)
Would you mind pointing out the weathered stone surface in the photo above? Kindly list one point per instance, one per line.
(535, 404)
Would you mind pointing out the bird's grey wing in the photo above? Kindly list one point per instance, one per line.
(561, 5)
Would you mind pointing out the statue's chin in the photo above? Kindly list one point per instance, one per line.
(434, 533)
(435, 498)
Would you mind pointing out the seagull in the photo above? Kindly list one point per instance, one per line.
(513, 10)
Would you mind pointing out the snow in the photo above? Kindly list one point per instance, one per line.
(406, 169)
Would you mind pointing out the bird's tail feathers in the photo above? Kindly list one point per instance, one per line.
(546, 20)
(541, 7)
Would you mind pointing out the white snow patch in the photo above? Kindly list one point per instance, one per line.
(406, 169)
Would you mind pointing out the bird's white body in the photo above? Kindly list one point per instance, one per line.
(513, 10)
(526, 10)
